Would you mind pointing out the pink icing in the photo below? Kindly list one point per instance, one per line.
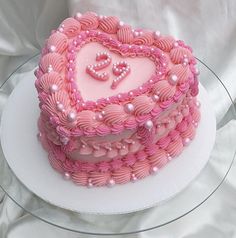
(70, 27)
(109, 24)
(66, 115)
(88, 21)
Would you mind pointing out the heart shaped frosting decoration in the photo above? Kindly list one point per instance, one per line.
(60, 95)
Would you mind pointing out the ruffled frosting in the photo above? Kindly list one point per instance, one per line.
(59, 41)
(86, 119)
(125, 35)
(121, 175)
(159, 159)
(146, 38)
(164, 90)
(165, 43)
(189, 132)
(114, 114)
(142, 105)
(70, 26)
(109, 24)
(51, 105)
(98, 178)
(182, 72)
(177, 54)
(49, 79)
(80, 178)
(88, 21)
(175, 147)
(55, 60)
(141, 169)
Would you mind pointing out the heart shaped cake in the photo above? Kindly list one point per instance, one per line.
(117, 104)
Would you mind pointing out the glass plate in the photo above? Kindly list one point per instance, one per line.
(203, 187)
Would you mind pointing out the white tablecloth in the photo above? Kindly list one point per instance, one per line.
(208, 26)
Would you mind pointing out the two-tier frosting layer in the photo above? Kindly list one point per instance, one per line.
(116, 103)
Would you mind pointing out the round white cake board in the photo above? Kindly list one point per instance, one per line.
(30, 164)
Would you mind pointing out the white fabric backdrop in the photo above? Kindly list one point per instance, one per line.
(208, 26)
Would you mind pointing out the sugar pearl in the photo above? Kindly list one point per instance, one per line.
(50, 69)
(60, 107)
(52, 48)
(186, 141)
(133, 178)
(154, 170)
(198, 104)
(71, 116)
(157, 34)
(111, 183)
(173, 79)
(90, 185)
(155, 98)
(121, 23)
(66, 176)
(78, 15)
(136, 33)
(53, 88)
(176, 44)
(129, 108)
(197, 72)
(99, 117)
(148, 124)
(64, 140)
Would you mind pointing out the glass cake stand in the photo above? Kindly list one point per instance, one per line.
(203, 187)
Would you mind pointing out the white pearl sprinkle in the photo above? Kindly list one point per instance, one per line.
(173, 79)
(53, 88)
(129, 108)
(78, 15)
(154, 170)
(50, 69)
(155, 98)
(186, 141)
(52, 48)
(71, 116)
(148, 124)
(66, 176)
(111, 183)
(121, 23)
(157, 34)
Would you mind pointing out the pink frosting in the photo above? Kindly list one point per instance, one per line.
(159, 159)
(142, 105)
(164, 90)
(175, 148)
(125, 35)
(51, 105)
(114, 114)
(80, 178)
(141, 169)
(86, 119)
(88, 21)
(165, 43)
(59, 41)
(70, 27)
(146, 38)
(66, 115)
(182, 72)
(122, 175)
(49, 79)
(52, 59)
(177, 54)
(99, 179)
(109, 24)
